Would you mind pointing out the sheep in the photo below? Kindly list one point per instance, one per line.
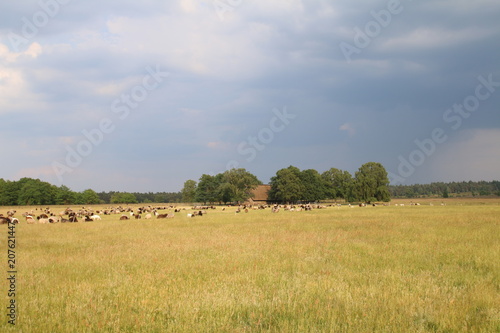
(148, 216)
(30, 219)
(95, 217)
(54, 219)
(43, 221)
(124, 217)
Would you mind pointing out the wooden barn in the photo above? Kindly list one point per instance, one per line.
(260, 195)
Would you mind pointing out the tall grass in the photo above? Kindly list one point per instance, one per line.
(384, 269)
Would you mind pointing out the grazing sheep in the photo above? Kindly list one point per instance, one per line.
(54, 219)
(30, 219)
(124, 217)
(43, 221)
(95, 217)
(148, 216)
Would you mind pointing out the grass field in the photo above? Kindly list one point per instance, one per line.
(374, 269)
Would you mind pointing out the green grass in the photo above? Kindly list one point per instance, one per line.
(383, 269)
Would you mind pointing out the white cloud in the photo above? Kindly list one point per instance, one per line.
(348, 128)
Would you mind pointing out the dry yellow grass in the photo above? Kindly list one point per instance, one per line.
(385, 269)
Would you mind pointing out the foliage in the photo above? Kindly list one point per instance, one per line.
(437, 189)
(371, 183)
(314, 187)
(123, 197)
(287, 185)
(89, 197)
(207, 188)
(338, 184)
(28, 191)
(189, 191)
(239, 184)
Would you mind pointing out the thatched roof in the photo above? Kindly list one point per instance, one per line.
(260, 193)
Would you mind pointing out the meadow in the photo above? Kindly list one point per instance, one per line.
(373, 269)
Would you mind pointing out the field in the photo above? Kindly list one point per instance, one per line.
(373, 269)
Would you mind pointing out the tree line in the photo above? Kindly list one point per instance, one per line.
(440, 189)
(370, 183)
(29, 191)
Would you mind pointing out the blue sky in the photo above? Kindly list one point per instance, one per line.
(141, 96)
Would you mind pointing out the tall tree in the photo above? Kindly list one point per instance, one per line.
(371, 183)
(189, 191)
(89, 197)
(338, 183)
(241, 184)
(207, 188)
(313, 184)
(286, 186)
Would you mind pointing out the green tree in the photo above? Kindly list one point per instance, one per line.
(371, 183)
(35, 192)
(286, 186)
(338, 184)
(207, 188)
(241, 184)
(189, 191)
(64, 196)
(89, 197)
(123, 197)
(30, 194)
(313, 185)
(226, 192)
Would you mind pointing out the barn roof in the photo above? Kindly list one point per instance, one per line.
(261, 193)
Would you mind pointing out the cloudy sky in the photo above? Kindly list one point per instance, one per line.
(143, 95)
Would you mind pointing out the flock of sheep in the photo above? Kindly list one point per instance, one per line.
(69, 215)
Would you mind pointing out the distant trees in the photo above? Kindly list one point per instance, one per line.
(29, 191)
(233, 185)
(440, 189)
(123, 198)
(292, 185)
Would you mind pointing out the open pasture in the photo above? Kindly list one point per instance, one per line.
(372, 269)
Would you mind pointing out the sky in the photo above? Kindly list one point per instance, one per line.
(142, 96)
